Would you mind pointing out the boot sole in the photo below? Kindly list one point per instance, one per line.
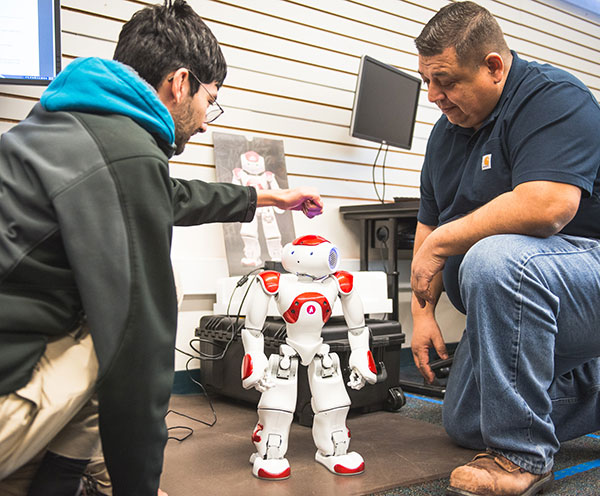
(540, 486)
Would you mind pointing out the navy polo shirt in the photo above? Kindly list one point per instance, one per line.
(545, 127)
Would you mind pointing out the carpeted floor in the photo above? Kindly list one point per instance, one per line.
(398, 451)
(406, 453)
(576, 464)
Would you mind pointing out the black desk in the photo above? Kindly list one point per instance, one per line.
(402, 217)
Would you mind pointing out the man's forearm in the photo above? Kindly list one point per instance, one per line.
(427, 312)
(268, 198)
(538, 208)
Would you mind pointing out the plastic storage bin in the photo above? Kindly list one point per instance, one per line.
(223, 375)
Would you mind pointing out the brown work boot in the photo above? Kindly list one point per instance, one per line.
(490, 474)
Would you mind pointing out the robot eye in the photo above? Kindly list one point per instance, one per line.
(292, 253)
(311, 253)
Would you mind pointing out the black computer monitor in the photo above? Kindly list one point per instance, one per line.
(385, 104)
(30, 41)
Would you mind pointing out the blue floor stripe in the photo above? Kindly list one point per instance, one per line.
(422, 398)
(577, 469)
(593, 435)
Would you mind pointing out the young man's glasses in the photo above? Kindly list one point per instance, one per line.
(214, 110)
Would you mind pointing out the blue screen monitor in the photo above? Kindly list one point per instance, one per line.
(385, 104)
(30, 41)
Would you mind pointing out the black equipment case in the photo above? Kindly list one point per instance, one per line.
(223, 375)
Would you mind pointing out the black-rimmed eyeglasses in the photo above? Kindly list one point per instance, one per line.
(214, 109)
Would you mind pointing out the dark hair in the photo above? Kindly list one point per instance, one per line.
(466, 26)
(163, 38)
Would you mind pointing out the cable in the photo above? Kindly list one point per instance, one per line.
(189, 430)
(232, 325)
(387, 147)
(383, 261)
(204, 356)
(373, 172)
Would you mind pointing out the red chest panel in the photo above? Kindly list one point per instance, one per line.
(292, 313)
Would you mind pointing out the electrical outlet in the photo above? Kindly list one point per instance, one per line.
(382, 234)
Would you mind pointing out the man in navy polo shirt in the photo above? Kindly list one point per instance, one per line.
(508, 225)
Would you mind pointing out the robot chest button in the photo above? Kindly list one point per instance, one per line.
(314, 301)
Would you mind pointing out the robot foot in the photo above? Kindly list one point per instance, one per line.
(270, 469)
(349, 464)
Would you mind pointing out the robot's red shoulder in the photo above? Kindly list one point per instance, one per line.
(269, 280)
(345, 281)
(237, 172)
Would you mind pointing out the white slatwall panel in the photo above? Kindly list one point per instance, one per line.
(292, 73)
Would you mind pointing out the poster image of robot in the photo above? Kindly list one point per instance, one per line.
(260, 163)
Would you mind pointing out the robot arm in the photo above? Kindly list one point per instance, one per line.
(362, 364)
(361, 359)
(255, 363)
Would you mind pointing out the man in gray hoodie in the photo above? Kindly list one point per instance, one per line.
(87, 208)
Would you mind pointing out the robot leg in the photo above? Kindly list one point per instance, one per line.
(331, 403)
(275, 414)
(249, 234)
(272, 234)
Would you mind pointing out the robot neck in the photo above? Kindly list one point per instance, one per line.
(309, 278)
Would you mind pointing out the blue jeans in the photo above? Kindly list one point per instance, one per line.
(526, 374)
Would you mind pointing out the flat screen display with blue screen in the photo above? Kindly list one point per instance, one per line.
(30, 41)
(385, 104)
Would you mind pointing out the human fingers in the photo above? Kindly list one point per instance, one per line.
(311, 209)
(421, 358)
(440, 347)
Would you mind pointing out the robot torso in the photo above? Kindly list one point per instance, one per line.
(306, 306)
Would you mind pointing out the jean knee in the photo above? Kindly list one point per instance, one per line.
(452, 424)
(490, 259)
(462, 431)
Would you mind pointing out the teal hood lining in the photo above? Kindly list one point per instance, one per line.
(105, 86)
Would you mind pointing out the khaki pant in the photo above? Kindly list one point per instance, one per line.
(56, 410)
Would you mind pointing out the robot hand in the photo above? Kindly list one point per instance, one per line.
(254, 372)
(362, 368)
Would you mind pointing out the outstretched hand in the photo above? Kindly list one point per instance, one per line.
(305, 199)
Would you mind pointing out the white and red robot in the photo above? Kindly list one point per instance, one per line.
(306, 303)
(253, 173)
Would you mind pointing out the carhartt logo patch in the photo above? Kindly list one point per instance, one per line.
(486, 162)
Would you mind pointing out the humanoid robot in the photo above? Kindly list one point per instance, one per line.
(306, 304)
(253, 173)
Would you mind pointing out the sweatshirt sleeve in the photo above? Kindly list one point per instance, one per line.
(197, 202)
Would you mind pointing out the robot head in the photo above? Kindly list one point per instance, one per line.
(252, 163)
(310, 255)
